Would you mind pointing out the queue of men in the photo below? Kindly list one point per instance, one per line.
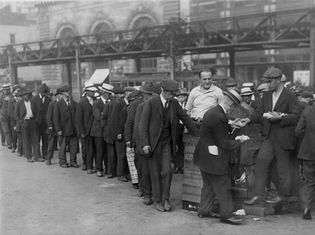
(136, 134)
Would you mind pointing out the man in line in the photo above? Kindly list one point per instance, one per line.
(158, 139)
(279, 113)
(212, 155)
(11, 105)
(64, 123)
(203, 97)
(4, 114)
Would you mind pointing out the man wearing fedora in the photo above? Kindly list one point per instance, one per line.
(42, 101)
(98, 126)
(64, 124)
(279, 113)
(84, 120)
(26, 114)
(157, 131)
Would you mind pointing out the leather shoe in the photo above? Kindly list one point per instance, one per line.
(122, 179)
(135, 186)
(307, 214)
(147, 201)
(110, 176)
(74, 165)
(84, 167)
(30, 160)
(64, 165)
(252, 201)
(13, 151)
(48, 162)
(99, 174)
(234, 220)
(159, 207)
(39, 159)
(90, 171)
(274, 200)
(209, 215)
(167, 205)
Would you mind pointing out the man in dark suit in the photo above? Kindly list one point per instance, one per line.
(11, 105)
(51, 130)
(4, 114)
(26, 115)
(42, 101)
(98, 128)
(279, 112)
(306, 129)
(84, 120)
(64, 124)
(212, 155)
(157, 133)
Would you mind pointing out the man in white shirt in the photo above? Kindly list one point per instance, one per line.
(203, 97)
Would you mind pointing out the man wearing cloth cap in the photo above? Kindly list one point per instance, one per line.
(212, 155)
(51, 130)
(279, 112)
(64, 124)
(42, 100)
(26, 114)
(4, 114)
(158, 139)
(203, 97)
(84, 120)
(98, 128)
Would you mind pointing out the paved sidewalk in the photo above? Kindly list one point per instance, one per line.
(40, 199)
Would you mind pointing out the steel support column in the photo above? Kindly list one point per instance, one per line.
(312, 51)
(172, 57)
(232, 63)
(13, 70)
(69, 74)
(78, 67)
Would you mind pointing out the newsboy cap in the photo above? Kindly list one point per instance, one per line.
(133, 95)
(170, 85)
(65, 88)
(307, 94)
(272, 73)
(118, 90)
(24, 91)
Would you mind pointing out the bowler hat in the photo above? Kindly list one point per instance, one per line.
(170, 85)
(233, 95)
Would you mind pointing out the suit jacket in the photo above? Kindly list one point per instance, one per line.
(11, 106)
(215, 131)
(283, 129)
(84, 117)
(107, 112)
(20, 113)
(98, 123)
(117, 119)
(64, 117)
(131, 114)
(151, 123)
(136, 129)
(42, 110)
(306, 127)
(50, 115)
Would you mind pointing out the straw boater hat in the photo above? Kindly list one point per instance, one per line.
(246, 91)
(233, 95)
(248, 84)
(105, 87)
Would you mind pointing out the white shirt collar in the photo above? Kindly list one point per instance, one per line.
(223, 108)
(163, 100)
(104, 100)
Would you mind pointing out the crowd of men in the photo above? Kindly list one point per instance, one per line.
(137, 135)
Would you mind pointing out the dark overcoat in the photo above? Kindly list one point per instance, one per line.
(84, 117)
(98, 123)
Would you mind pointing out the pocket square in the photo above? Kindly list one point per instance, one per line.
(213, 150)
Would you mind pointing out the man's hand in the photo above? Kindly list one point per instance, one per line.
(119, 137)
(146, 149)
(272, 116)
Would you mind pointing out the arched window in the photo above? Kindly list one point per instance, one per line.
(66, 34)
(102, 28)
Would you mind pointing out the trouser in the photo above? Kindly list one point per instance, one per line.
(44, 138)
(2, 134)
(30, 139)
(122, 165)
(14, 138)
(111, 156)
(216, 186)
(145, 177)
(179, 156)
(6, 129)
(308, 183)
(269, 150)
(52, 141)
(88, 155)
(20, 142)
(138, 164)
(101, 156)
(160, 171)
(72, 142)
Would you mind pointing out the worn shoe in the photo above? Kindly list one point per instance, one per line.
(252, 201)
(167, 205)
(140, 193)
(90, 171)
(110, 176)
(39, 159)
(234, 220)
(210, 215)
(147, 201)
(274, 200)
(13, 151)
(30, 160)
(84, 168)
(64, 165)
(159, 206)
(48, 162)
(99, 174)
(74, 165)
(307, 214)
(123, 179)
(135, 186)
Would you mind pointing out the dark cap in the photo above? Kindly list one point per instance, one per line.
(170, 85)
(24, 91)
(129, 89)
(233, 95)
(182, 91)
(133, 95)
(272, 73)
(44, 89)
(58, 92)
(306, 94)
(65, 88)
(6, 86)
(118, 90)
(231, 82)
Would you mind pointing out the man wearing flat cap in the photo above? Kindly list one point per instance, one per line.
(42, 100)
(11, 105)
(84, 120)
(26, 114)
(212, 156)
(65, 126)
(279, 112)
(98, 127)
(157, 131)
(4, 114)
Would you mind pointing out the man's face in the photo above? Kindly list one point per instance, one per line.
(167, 94)
(106, 95)
(247, 99)
(26, 97)
(182, 98)
(66, 95)
(273, 84)
(205, 79)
